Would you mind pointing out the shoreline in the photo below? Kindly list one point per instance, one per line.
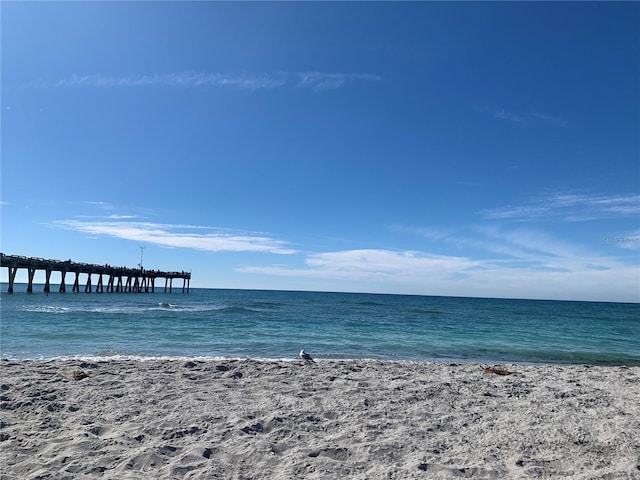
(189, 418)
(452, 361)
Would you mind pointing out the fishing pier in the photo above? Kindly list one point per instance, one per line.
(118, 279)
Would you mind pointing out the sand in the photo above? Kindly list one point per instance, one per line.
(246, 419)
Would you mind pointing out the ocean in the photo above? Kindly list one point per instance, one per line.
(217, 323)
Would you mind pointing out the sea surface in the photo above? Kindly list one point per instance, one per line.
(213, 323)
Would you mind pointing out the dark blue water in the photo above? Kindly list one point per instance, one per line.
(277, 324)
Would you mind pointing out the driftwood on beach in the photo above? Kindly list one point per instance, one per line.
(498, 370)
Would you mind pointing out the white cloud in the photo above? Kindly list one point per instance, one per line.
(372, 265)
(524, 118)
(431, 233)
(329, 81)
(386, 271)
(183, 79)
(529, 240)
(497, 262)
(388, 263)
(570, 207)
(629, 241)
(523, 245)
(502, 114)
(553, 120)
(180, 236)
(317, 81)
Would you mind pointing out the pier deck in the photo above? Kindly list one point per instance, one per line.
(119, 279)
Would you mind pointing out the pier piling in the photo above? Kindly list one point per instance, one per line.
(137, 280)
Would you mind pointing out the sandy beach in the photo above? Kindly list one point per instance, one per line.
(246, 419)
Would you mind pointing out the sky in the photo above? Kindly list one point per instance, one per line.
(485, 149)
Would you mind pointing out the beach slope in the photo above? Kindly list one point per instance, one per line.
(246, 419)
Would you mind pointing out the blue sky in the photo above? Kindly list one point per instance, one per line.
(470, 149)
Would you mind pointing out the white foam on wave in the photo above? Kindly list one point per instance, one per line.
(209, 358)
(145, 358)
(45, 309)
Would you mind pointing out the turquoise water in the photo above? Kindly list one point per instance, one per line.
(277, 324)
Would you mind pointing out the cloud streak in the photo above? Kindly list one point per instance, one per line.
(372, 265)
(180, 236)
(315, 81)
(553, 120)
(570, 207)
(539, 118)
(502, 114)
(522, 264)
(319, 81)
(518, 263)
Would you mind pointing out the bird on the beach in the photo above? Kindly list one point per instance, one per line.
(305, 356)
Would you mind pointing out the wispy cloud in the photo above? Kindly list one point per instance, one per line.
(468, 184)
(116, 212)
(431, 233)
(571, 207)
(421, 273)
(179, 80)
(629, 241)
(180, 236)
(319, 81)
(524, 247)
(502, 114)
(388, 263)
(553, 120)
(372, 264)
(316, 81)
(520, 263)
(533, 118)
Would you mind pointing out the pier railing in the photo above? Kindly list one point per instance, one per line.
(119, 279)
